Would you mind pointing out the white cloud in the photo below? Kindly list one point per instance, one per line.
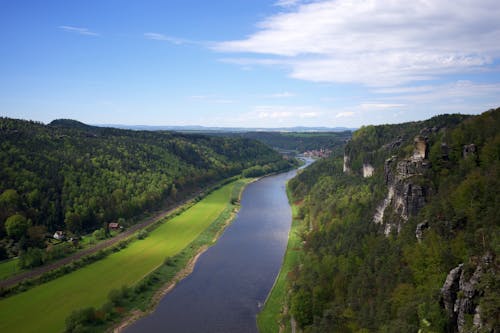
(380, 106)
(286, 3)
(344, 114)
(311, 114)
(77, 30)
(165, 38)
(274, 115)
(281, 112)
(376, 42)
(442, 94)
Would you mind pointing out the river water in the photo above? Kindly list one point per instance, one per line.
(232, 279)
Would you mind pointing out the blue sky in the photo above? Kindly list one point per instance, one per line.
(248, 63)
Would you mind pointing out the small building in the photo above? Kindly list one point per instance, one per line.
(59, 235)
(114, 226)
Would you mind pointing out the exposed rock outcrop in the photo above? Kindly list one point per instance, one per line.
(405, 197)
(419, 231)
(449, 292)
(421, 148)
(368, 170)
(459, 297)
(469, 150)
(346, 168)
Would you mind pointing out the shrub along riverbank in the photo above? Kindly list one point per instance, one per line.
(272, 317)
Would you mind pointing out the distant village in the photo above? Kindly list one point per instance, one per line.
(319, 153)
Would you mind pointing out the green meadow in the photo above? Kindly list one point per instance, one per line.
(268, 320)
(44, 308)
(9, 268)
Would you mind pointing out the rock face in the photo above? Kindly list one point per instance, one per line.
(421, 149)
(367, 170)
(445, 150)
(469, 150)
(459, 296)
(419, 231)
(346, 167)
(405, 197)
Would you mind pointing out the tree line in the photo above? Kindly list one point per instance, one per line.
(77, 178)
(353, 278)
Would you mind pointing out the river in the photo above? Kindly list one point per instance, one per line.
(232, 279)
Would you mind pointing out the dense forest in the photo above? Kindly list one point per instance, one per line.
(297, 141)
(74, 177)
(403, 234)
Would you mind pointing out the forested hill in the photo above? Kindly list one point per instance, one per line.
(297, 141)
(76, 177)
(402, 235)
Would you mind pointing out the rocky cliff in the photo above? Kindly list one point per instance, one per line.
(461, 293)
(406, 192)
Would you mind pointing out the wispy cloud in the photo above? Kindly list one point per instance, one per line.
(286, 3)
(447, 93)
(377, 42)
(344, 114)
(78, 30)
(170, 39)
(380, 106)
(286, 112)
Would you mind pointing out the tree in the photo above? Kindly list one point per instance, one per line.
(9, 199)
(73, 222)
(36, 235)
(16, 226)
(33, 257)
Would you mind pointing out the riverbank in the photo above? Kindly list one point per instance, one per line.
(13, 281)
(274, 315)
(133, 266)
(183, 268)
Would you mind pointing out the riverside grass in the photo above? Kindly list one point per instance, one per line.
(270, 318)
(44, 308)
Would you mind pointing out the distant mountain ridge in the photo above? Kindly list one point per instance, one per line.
(196, 128)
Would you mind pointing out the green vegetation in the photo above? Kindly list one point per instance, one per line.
(9, 268)
(374, 144)
(48, 304)
(77, 178)
(298, 141)
(271, 316)
(141, 297)
(353, 278)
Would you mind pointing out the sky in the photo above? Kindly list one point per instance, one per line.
(248, 63)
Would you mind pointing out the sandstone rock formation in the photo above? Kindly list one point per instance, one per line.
(405, 196)
(459, 297)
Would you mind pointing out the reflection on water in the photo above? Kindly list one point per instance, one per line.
(230, 281)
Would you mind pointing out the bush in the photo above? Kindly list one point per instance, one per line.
(80, 318)
(33, 257)
(142, 234)
(99, 234)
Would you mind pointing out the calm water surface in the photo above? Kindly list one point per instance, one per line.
(231, 280)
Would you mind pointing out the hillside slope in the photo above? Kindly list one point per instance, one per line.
(76, 177)
(402, 234)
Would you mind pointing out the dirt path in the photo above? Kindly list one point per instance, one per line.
(11, 281)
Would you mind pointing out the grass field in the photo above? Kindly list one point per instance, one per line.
(45, 307)
(268, 320)
(9, 268)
